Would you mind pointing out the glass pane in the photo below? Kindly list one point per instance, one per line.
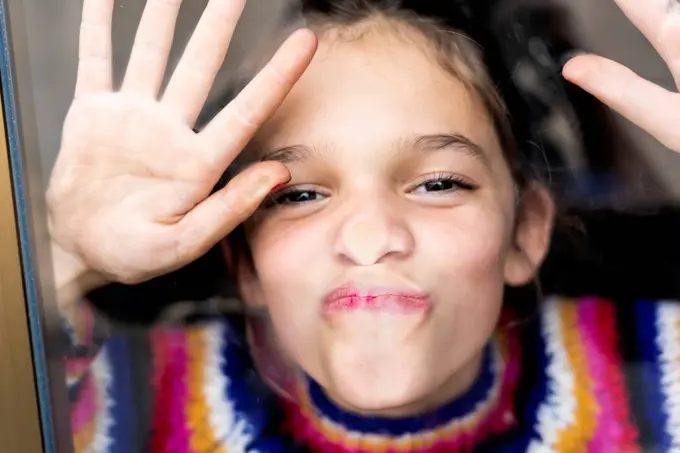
(437, 241)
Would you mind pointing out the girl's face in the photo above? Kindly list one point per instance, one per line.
(383, 260)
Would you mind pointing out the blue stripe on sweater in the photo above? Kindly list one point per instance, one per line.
(116, 350)
(518, 441)
(252, 401)
(649, 352)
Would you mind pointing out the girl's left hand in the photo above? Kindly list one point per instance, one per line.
(653, 108)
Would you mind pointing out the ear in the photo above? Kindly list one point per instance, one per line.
(240, 268)
(533, 231)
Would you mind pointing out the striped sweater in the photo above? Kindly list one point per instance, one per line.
(582, 376)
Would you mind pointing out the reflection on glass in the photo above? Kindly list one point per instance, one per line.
(400, 232)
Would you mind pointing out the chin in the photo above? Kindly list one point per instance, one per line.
(380, 401)
(379, 387)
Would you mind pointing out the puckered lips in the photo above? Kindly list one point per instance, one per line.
(378, 311)
(398, 300)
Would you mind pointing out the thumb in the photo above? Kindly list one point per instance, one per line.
(218, 215)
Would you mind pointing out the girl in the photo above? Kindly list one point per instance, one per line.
(384, 210)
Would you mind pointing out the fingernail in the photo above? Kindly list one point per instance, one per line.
(264, 184)
(277, 187)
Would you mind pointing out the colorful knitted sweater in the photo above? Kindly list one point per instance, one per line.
(582, 376)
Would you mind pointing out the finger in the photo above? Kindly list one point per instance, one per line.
(190, 85)
(236, 124)
(649, 106)
(149, 56)
(94, 49)
(659, 21)
(219, 214)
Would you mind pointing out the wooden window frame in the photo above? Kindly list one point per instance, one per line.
(34, 407)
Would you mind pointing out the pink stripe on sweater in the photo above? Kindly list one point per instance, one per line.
(597, 325)
(587, 323)
(85, 409)
(171, 432)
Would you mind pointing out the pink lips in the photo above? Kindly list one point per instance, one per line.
(396, 300)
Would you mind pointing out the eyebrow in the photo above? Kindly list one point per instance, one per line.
(456, 142)
(428, 142)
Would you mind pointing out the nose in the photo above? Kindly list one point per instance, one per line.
(370, 234)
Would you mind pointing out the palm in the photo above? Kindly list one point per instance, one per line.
(130, 193)
(146, 155)
(140, 171)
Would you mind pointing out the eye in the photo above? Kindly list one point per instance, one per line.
(442, 184)
(294, 196)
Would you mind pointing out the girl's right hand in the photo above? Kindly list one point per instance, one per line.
(130, 193)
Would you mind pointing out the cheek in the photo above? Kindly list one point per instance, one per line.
(468, 244)
(289, 285)
(466, 251)
(279, 254)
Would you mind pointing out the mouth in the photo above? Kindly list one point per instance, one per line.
(395, 300)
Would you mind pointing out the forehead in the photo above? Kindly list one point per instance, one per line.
(370, 92)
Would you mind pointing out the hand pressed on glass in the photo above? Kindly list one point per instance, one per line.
(653, 108)
(130, 194)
